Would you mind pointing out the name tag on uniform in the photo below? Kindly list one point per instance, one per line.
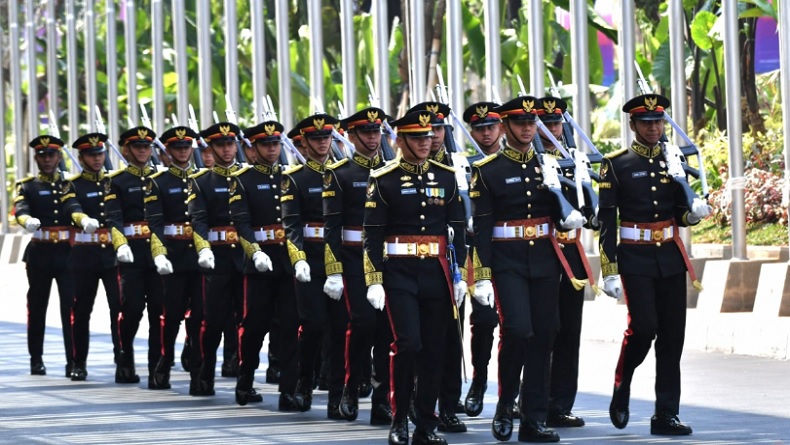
(314, 190)
(264, 186)
(92, 194)
(134, 189)
(44, 192)
(221, 190)
(408, 191)
(359, 184)
(173, 191)
(515, 180)
(638, 174)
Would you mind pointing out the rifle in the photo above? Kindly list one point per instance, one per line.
(146, 121)
(55, 131)
(199, 144)
(230, 115)
(270, 114)
(389, 136)
(101, 129)
(455, 274)
(442, 91)
(346, 142)
(677, 167)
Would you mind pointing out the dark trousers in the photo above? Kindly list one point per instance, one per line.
(86, 284)
(319, 315)
(483, 322)
(656, 310)
(40, 282)
(528, 320)
(450, 391)
(367, 328)
(141, 290)
(267, 297)
(182, 296)
(565, 354)
(221, 291)
(419, 323)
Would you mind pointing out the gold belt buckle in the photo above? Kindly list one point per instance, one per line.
(145, 230)
(279, 233)
(529, 232)
(423, 249)
(54, 236)
(562, 235)
(103, 238)
(231, 236)
(658, 235)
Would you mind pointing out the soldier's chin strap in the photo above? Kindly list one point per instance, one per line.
(406, 143)
(513, 133)
(373, 150)
(315, 152)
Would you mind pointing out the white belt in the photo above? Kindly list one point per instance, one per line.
(413, 249)
(352, 235)
(82, 237)
(518, 232)
(222, 235)
(136, 229)
(565, 235)
(313, 232)
(51, 235)
(635, 234)
(175, 230)
(265, 235)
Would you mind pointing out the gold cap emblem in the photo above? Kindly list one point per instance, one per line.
(94, 141)
(482, 111)
(181, 133)
(224, 129)
(528, 105)
(269, 129)
(373, 116)
(425, 120)
(549, 106)
(432, 108)
(318, 123)
(651, 102)
(142, 133)
(45, 141)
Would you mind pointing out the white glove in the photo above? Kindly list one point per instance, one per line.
(206, 258)
(262, 261)
(302, 271)
(613, 286)
(376, 296)
(32, 224)
(333, 286)
(484, 292)
(460, 289)
(163, 265)
(575, 220)
(699, 209)
(124, 254)
(89, 225)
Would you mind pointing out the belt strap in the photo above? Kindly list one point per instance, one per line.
(313, 231)
(523, 229)
(223, 235)
(52, 234)
(646, 235)
(268, 234)
(100, 236)
(352, 236)
(137, 230)
(178, 230)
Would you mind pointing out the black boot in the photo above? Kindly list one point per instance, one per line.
(333, 411)
(124, 372)
(287, 403)
(502, 425)
(618, 408)
(230, 368)
(37, 366)
(247, 395)
(666, 424)
(449, 422)
(304, 394)
(423, 437)
(79, 372)
(349, 404)
(564, 420)
(272, 375)
(473, 405)
(536, 431)
(365, 388)
(69, 368)
(380, 414)
(399, 432)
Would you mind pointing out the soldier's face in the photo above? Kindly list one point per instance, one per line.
(268, 151)
(224, 151)
(415, 149)
(250, 154)
(138, 154)
(487, 135)
(555, 128)
(366, 140)
(318, 147)
(93, 162)
(180, 154)
(438, 138)
(48, 161)
(648, 132)
(207, 157)
(520, 133)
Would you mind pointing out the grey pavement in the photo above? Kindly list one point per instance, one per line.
(727, 399)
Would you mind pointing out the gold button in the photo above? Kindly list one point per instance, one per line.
(652, 175)
(419, 177)
(529, 193)
(56, 221)
(655, 215)
(529, 216)
(658, 244)
(56, 201)
(422, 229)
(274, 186)
(227, 179)
(101, 193)
(526, 179)
(101, 204)
(653, 188)
(423, 204)
(104, 245)
(529, 206)
(185, 190)
(233, 246)
(55, 211)
(650, 160)
(523, 166)
(655, 203)
(184, 180)
(277, 208)
(279, 219)
(422, 217)
(531, 243)
(276, 197)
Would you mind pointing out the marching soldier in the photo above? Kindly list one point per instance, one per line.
(141, 285)
(46, 205)
(486, 129)
(92, 256)
(438, 150)
(565, 352)
(215, 234)
(415, 217)
(304, 226)
(344, 195)
(268, 275)
(648, 266)
(173, 251)
(517, 203)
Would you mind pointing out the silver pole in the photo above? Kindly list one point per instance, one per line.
(627, 55)
(90, 64)
(180, 45)
(3, 164)
(678, 67)
(112, 77)
(231, 54)
(455, 65)
(316, 54)
(32, 67)
(20, 161)
(381, 40)
(493, 53)
(537, 70)
(734, 131)
(52, 59)
(204, 62)
(258, 58)
(417, 51)
(347, 43)
(130, 35)
(71, 74)
(158, 60)
(281, 14)
(784, 57)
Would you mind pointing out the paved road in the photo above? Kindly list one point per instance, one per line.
(727, 399)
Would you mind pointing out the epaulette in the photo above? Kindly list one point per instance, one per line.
(616, 153)
(439, 164)
(115, 173)
(241, 170)
(25, 179)
(384, 170)
(337, 164)
(484, 161)
(198, 173)
(157, 174)
(74, 177)
(293, 169)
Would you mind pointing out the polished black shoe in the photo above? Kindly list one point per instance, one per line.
(37, 367)
(349, 404)
(78, 372)
(287, 403)
(333, 411)
(380, 414)
(450, 423)
(185, 356)
(201, 388)
(160, 379)
(618, 408)
(247, 395)
(564, 420)
(502, 425)
(473, 405)
(304, 395)
(534, 431)
(272, 375)
(668, 425)
(69, 369)
(126, 374)
(365, 388)
(399, 432)
(422, 437)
